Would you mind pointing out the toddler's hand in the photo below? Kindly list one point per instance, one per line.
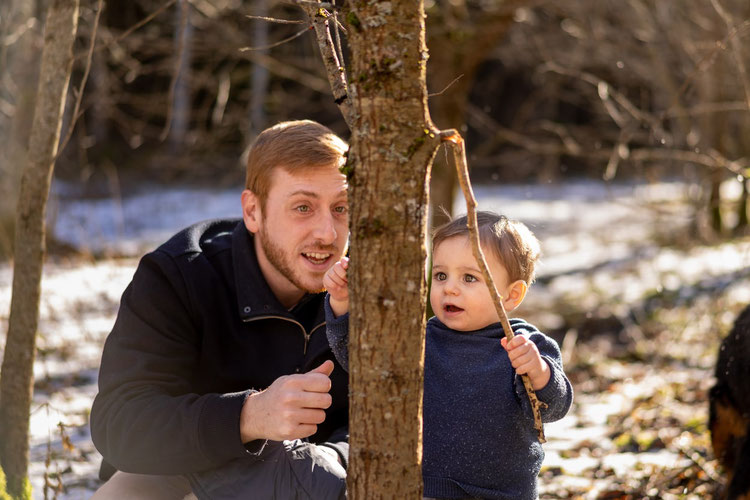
(337, 285)
(525, 358)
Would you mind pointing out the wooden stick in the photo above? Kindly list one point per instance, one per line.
(456, 142)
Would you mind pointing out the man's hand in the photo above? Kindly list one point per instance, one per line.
(525, 358)
(337, 285)
(291, 407)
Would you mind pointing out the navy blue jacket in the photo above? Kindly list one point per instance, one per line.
(198, 329)
(479, 439)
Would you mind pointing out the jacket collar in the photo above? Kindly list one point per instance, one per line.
(254, 296)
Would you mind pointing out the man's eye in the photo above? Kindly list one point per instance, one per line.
(470, 278)
(440, 276)
(302, 208)
(341, 210)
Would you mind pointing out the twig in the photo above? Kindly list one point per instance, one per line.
(276, 20)
(139, 24)
(79, 97)
(334, 69)
(336, 26)
(280, 42)
(453, 138)
(702, 66)
(714, 160)
(736, 48)
(606, 92)
(446, 87)
(184, 6)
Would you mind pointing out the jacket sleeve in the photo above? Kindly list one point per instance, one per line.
(558, 393)
(145, 419)
(337, 331)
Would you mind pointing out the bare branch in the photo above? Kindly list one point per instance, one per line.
(140, 23)
(572, 148)
(607, 91)
(446, 87)
(79, 97)
(334, 69)
(456, 142)
(736, 48)
(280, 42)
(336, 25)
(276, 20)
(289, 71)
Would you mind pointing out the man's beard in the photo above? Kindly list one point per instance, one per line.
(280, 261)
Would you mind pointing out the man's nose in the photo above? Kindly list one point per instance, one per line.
(325, 229)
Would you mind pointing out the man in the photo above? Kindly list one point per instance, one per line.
(218, 357)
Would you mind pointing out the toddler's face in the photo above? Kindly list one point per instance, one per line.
(459, 295)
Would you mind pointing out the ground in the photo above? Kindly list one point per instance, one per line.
(638, 307)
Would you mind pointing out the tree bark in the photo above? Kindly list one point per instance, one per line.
(17, 376)
(393, 143)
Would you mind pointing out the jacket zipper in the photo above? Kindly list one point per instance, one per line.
(305, 334)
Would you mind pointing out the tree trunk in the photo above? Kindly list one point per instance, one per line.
(458, 46)
(17, 83)
(393, 143)
(17, 376)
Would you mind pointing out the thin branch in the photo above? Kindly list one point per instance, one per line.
(184, 6)
(140, 23)
(289, 71)
(736, 48)
(606, 92)
(739, 166)
(336, 26)
(334, 69)
(280, 42)
(702, 66)
(276, 20)
(453, 138)
(77, 113)
(446, 87)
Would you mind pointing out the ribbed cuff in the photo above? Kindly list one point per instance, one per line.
(219, 427)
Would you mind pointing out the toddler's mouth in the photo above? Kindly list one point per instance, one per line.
(451, 308)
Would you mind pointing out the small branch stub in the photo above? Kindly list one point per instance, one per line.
(456, 142)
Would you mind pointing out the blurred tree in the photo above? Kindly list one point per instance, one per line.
(624, 89)
(17, 376)
(461, 35)
(19, 44)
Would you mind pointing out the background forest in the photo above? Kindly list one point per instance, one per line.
(618, 129)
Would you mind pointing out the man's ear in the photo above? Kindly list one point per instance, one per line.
(516, 293)
(251, 211)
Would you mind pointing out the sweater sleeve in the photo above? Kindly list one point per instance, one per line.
(145, 419)
(337, 331)
(558, 393)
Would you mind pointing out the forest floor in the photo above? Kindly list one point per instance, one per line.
(638, 307)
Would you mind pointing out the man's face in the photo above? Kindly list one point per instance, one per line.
(459, 295)
(301, 231)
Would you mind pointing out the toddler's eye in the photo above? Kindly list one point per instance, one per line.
(470, 278)
(439, 276)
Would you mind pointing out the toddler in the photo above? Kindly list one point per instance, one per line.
(478, 428)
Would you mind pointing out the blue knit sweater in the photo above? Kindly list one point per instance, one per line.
(478, 429)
